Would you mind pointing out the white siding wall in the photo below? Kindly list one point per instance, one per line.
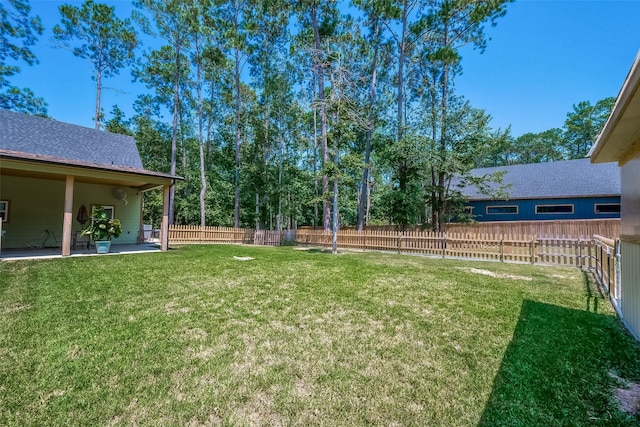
(630, 204)
(630, 276)
(630, 243)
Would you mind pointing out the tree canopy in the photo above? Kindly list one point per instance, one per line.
(93, 31)
(311, 113)
(19, 31)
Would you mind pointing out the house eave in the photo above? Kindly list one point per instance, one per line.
(620, 136)
(12, 162)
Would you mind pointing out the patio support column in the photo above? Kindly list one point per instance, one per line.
(164, 232)
(68, 217)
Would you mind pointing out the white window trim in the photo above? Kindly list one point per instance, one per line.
(6, 210)
(595, 208)
(502, 213)
(112, 208)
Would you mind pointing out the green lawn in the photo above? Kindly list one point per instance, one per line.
(195, 337)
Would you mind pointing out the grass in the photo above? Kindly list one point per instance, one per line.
(194, 337)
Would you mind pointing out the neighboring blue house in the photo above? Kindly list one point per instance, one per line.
(568, 189)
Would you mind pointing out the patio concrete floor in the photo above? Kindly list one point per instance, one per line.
(50, 253)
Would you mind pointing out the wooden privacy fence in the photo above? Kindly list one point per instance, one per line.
(193, 234)
(196, 234)
(607, 266)
(596, 252)
(502, 248)
(529, 248)
(574, 228)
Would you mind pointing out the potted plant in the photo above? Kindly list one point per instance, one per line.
(101, 229)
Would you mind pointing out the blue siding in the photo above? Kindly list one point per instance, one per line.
(583, 208)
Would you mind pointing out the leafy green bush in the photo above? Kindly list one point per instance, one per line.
(102, 227)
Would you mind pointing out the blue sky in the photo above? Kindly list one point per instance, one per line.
(543, 57)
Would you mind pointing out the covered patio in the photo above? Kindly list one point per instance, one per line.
(52, 170)
(52, 253)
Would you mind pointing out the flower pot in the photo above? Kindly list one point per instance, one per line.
(103, 246)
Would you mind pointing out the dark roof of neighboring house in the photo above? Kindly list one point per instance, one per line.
(32, 135)
(567, 178)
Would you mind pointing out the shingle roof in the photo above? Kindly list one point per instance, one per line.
(567, 178)
(21, 133)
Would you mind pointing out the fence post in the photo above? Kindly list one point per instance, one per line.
(599, 261)
(533, 249)
(501, 248)
(580, 262)
(399, 233)
(609, 270)
(617, 268)
(444, 245)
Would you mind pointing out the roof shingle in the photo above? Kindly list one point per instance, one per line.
(46, 137)
(566, 178)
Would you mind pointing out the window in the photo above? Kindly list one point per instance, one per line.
(109, 210)
(4, 210)
(607, 208)
(502, 209)
(554, 209)
(468, 210)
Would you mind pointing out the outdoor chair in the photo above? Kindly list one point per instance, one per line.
(41, 241)
(80, 241)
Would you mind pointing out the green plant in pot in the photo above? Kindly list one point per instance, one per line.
(102, 229)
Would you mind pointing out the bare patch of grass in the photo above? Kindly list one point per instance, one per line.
(629, 398)
(627, 394)
(497, 275)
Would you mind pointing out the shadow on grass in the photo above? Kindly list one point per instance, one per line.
(595, 294)
(556, 368)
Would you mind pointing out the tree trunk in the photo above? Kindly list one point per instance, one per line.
(315, 168)
(236, 199)
(98, 96)
(203, 178)
(265, 159)
(443, 132)
(280, 171)
(267, 117)
(174, 133)
(334, 222)
(98, 117)
(400, 89)
(326, 214)
(434, 137)
(364, 195)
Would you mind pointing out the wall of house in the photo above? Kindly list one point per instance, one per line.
(630, 244)
(630, 180)
(36, 205)
(583, 208)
